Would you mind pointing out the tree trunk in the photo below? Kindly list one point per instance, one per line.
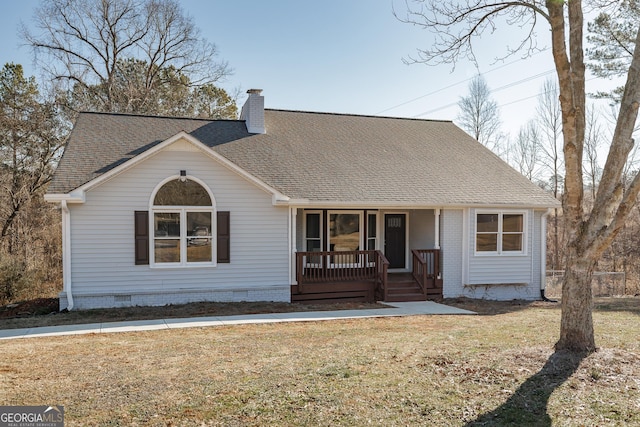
(576, 324)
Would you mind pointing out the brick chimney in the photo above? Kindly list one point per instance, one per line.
(253, 112)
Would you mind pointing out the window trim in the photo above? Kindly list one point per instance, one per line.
(375, 230)
(304, 229)
(183, 211)
(499, 252)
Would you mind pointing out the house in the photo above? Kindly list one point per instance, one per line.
(291, 206)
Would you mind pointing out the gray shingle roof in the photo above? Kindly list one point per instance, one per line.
(318, 156)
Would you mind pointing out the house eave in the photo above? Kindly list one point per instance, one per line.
(72, 197)
(306, 203)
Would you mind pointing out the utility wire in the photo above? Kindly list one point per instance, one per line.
(509, 85)
(500, 105)
(455, 84)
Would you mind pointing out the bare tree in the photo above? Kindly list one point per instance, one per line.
(592, 143)
(457, 24)
(526, 150)
(86, 43)
(549, 119)
(480, 115)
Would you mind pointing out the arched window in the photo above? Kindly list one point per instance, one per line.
(183, 226)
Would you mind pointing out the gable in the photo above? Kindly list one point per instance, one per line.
(100, 142)
(180, 142)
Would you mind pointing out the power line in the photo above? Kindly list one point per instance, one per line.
(507, 86)
(500, 105)
(456, 84)
(535, 96)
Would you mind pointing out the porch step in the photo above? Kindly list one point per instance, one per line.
(405, 298)
(405, 290)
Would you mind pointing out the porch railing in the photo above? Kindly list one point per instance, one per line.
(382, 268)
(426, 268)
(342, 266)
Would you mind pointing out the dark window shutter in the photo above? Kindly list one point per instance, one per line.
(223, 237)
(142, 237)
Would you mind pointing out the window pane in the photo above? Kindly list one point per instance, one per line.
(371, 244)
(313, 245)
(487, 223)
(199, 224)
(487, 242)
(344, 231)
(313, 225)
(199, 250)
(512, 223)
(167, 250)
(178, 193)
(166, 225)
(199, 237)
(512, 242)
(371, 225)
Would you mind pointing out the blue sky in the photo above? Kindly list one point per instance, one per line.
(341, 56)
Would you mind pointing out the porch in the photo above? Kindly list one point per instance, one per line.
(363, 275)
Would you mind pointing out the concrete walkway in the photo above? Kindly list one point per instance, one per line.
(398, 309)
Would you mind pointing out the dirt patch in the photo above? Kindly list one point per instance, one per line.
(44, 311)
(488, 307)
(34, 307)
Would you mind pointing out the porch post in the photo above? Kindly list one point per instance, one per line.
(437, 227)
(293, 238)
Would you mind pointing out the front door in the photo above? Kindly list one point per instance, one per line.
(395, 239)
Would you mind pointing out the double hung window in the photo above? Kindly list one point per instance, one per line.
(313, 231)
(372, 224)
(500, 233)
(313, 236)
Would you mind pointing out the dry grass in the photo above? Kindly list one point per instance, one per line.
(493, 369)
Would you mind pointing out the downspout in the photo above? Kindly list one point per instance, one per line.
(66, 253)
(543, 256)
(436, 213)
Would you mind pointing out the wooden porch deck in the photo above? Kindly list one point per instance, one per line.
(362, 276)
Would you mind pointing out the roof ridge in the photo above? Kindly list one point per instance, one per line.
(357, 115)
(151, 116)
(325, 113)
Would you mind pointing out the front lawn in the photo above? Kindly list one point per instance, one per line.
(496, 368)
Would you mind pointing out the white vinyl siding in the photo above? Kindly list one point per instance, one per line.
(452, 252)
(422, 226)
(507, 275)
(493, 277)
(102, 232)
